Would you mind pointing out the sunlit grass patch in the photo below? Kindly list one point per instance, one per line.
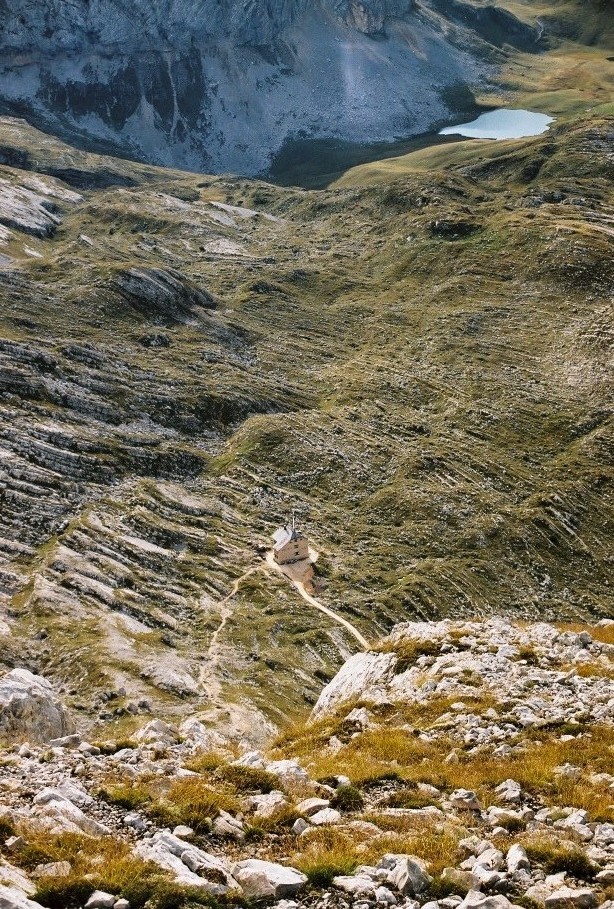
(100, 863)
(435, 844)
(126, 795)
(602, 633)
(555, 857)
(327, 853)
(384, 752)
(408, 651)
(195, 803)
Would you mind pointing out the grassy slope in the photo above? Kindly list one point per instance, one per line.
(425, 348)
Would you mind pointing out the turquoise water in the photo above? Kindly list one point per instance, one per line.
(503, 123)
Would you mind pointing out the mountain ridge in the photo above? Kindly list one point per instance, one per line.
(221, 87)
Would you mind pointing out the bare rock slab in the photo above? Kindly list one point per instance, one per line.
(29, 709)
(12, 898)
(265, 880)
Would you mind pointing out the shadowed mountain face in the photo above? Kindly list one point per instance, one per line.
(219, 85)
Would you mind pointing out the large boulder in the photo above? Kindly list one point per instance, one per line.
(571, 898)
(477, 900)
(16, 878)
(189, 865)
(29, 709)
(162, 294)
(266, 880)
(55, 811)
(361, 677)
(406, 873)
(27, 211)
(12, 898)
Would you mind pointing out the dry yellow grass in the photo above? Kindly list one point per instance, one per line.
(329, 852)
(96, 863)
(408, 650)
(437, 846)
(388, 742)
(378, 753)
(534, 770)
(384, 752)
(554, 856)
(604, 634)
(326, 854)
(598, 800)
(595, 670)
(196, 803)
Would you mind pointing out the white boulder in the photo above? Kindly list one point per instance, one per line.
(568, 897)
(29, 709)
(58, 814)
(267, 805)
(477, 900)
(157, 731)
(517, 859)
(354, 680)
(465, 799)
(267, 880)
(228, 826)
(100, 900)
(355, 885)
(326, 817)
(406, 873)
(12, 898)
(311, 806)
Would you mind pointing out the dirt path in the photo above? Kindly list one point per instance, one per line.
(214, 648)
(270, 560)
(213, 655)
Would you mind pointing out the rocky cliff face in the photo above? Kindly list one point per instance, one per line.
(220, 84)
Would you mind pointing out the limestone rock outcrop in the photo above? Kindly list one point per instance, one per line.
(265, 880)
(424, 660)
(162, 295)
(30, 710)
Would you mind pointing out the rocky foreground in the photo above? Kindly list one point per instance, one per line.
(458, 764)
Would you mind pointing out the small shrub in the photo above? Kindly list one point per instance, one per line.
(408, 651)
(168, 895)
(195, 803)
(280, 820)
(7, 828)
(248, 779)
(409, 798)
(64, 892)
(574, 862)
(525, 901)
(207, 762)
(322, 875)
(128, 797)
(328, 853)
(166, 815)
(122, 744)
(33, 854)
(348, 798)
(529, 655)
(554, 859)
(112, 747)
(513, 824)
(385, 777)
(439, 889)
